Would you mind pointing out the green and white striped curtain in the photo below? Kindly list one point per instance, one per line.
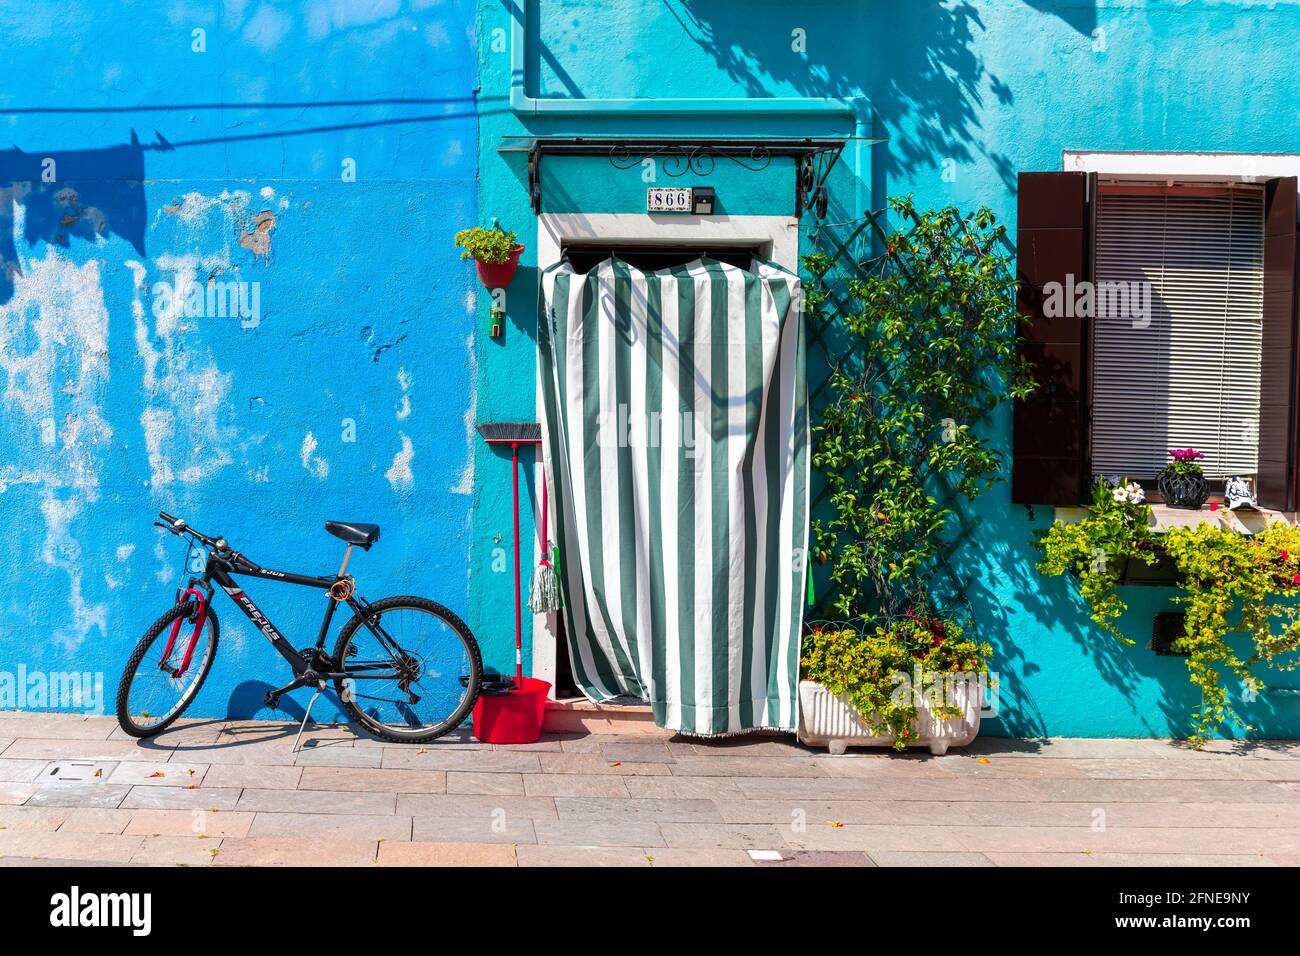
(675, 430)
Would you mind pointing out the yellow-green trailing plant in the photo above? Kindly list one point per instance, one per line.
(1234, 586)
(887, 671)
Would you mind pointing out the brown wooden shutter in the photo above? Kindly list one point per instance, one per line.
(1278, 395)
(1049, 440)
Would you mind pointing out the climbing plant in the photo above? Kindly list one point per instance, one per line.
(930, 331)
(1237, 589)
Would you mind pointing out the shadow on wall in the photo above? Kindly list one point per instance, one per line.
(1079, 14)
(926, 81)
(82, 194)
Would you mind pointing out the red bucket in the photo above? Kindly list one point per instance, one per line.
(513, 718)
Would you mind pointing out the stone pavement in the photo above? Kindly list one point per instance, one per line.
(76, 789)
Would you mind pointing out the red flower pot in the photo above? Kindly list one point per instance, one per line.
(497, 275)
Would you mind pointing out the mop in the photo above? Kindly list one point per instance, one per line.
(544, 596)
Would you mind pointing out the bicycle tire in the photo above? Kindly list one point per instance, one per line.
(384, 731)
(184, 611)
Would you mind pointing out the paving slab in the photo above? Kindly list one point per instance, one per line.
(274, 851)
(927, 858)
(742, 836)
(101, 847)
(317, 801)
(32, 818)
(817, 858)
(181, 798)
(59, 748)
(614, 809)
(475, 805)
(602, 856)
(20, 771)
(371, 778)
(64, 727)
(470, 781)
(594, 763)
(1128, 859)
(734, 765)
(477, 829)
(238, 776)
(478, 761)
(577, 785)
(665, 856)
(61, 794)
(177, 851)
(321, 828)
(635, 833)
(93, 820)
(446, 854)
(14, 794)
(213, 824)
(166, 774)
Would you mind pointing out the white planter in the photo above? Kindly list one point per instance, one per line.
(826, 720)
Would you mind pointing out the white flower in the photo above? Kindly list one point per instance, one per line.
(1135, 493)
(1120, 494)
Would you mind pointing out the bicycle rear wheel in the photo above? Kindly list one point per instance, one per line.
(419, 681)
(155, 691)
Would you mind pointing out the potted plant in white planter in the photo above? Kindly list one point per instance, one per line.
(914, 683)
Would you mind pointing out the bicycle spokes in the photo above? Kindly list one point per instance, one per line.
(405, 672)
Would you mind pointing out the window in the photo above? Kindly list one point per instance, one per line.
(1177, 330)
(1162, 315)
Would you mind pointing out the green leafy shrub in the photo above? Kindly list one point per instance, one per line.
(933, 326)
(931, 329)
(486, 245)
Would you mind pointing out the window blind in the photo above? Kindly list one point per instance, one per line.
(1189, 375)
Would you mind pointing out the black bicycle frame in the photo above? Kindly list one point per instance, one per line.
(221, 568)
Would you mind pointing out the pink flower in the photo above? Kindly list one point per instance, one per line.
(1295, 579)
(1285, 555)
(1214, 506)
(1186, 455)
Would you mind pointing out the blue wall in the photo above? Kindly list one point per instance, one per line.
(965, 95)
(232, 164)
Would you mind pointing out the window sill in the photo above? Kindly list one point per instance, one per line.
(1163, 517)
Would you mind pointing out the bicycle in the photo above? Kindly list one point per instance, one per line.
(431, 685)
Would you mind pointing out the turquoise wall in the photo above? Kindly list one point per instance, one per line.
(323, 151)
(964, 95)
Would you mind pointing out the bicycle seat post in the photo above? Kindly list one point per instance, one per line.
(347, 556)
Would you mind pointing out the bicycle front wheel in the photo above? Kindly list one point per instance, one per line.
(412, 669)
(158, 683)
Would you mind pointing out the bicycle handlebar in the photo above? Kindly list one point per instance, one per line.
(177, 526)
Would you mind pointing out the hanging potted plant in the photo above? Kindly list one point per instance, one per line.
(1181, 482)
(495, 254)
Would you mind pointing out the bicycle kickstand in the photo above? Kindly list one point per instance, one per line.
(306, 717)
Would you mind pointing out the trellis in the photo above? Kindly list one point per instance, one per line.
(859, 248)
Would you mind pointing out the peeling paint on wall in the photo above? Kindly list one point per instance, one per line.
(316, 466)
(399, 475)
